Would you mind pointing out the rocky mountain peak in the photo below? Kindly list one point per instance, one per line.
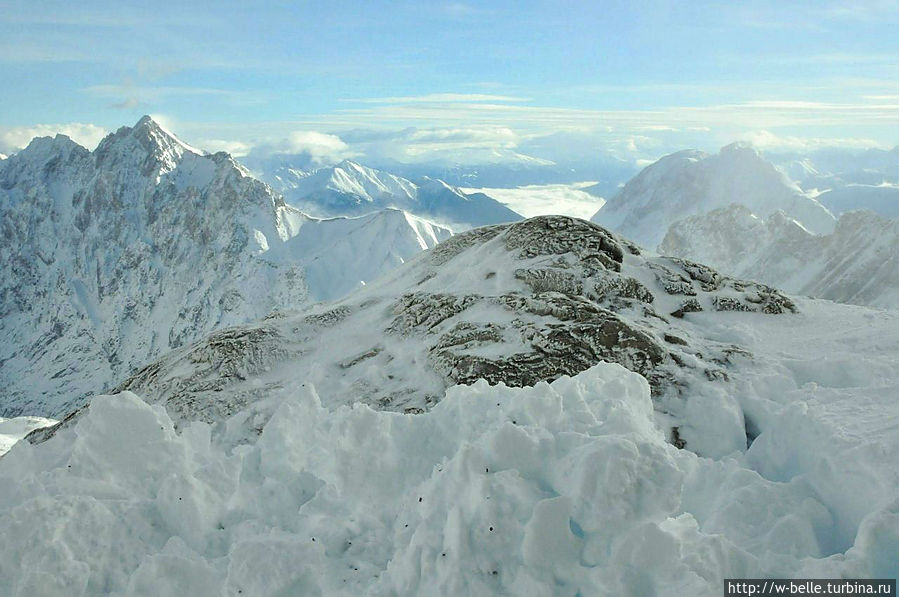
(147, 144)
(514, 303)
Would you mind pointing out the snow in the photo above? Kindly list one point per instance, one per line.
(112, 257)
(854, 264)
(270, 458)
(559, 489)
(13, 430)
(691, 182)
(339, 254)
(537, 200)
(566, 488)
(350, 189)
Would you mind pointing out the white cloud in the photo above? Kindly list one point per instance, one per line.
(439, 98)
(235, 148)
(766, 140)
(309, 149)
(15, 138)
(446, 145)
(317, 144)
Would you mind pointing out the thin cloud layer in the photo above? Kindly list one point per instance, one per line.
(13, 139)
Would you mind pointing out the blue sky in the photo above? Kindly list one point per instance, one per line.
(638, 78)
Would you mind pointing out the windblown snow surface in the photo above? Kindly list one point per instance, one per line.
(572, 487)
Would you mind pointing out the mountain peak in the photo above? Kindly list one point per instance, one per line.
(146, 120)
(740, 148)
(148, 142)
(348, 164)
(149, 129)
(48, 147)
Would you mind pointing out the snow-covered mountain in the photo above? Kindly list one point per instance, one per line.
(112, 257)
(15, 429)
(691, 182)
(271, 459)
(351, 189)
(858, 263)
(848, 166)
(882, 198)
(844, 180)
(515, 303)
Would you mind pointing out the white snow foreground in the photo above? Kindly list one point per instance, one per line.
(560, 489)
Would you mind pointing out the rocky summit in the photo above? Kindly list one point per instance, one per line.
(514, 304)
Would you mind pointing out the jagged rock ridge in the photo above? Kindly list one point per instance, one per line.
(112, 257)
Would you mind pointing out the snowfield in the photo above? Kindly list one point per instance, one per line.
(271, 459)
(561, 489)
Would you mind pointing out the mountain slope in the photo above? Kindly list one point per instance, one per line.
(882, 199)
(515, 304)
(269, 458)
(111, 257)
(858, 263)
(351, 189)
(692, 182)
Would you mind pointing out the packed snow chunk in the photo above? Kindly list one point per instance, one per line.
(12, 430)
(878, 543)
(563, 488)
(549, 537)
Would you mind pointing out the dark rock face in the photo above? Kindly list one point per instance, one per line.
(592, 245)
(225, 359)
(577, 335)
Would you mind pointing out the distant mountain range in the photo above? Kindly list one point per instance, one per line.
(740, 213)
(110, 258)
(349, 188)
(858, 263)
(844, 180)
(692, 182)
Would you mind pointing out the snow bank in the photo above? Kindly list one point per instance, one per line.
(562, 489)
